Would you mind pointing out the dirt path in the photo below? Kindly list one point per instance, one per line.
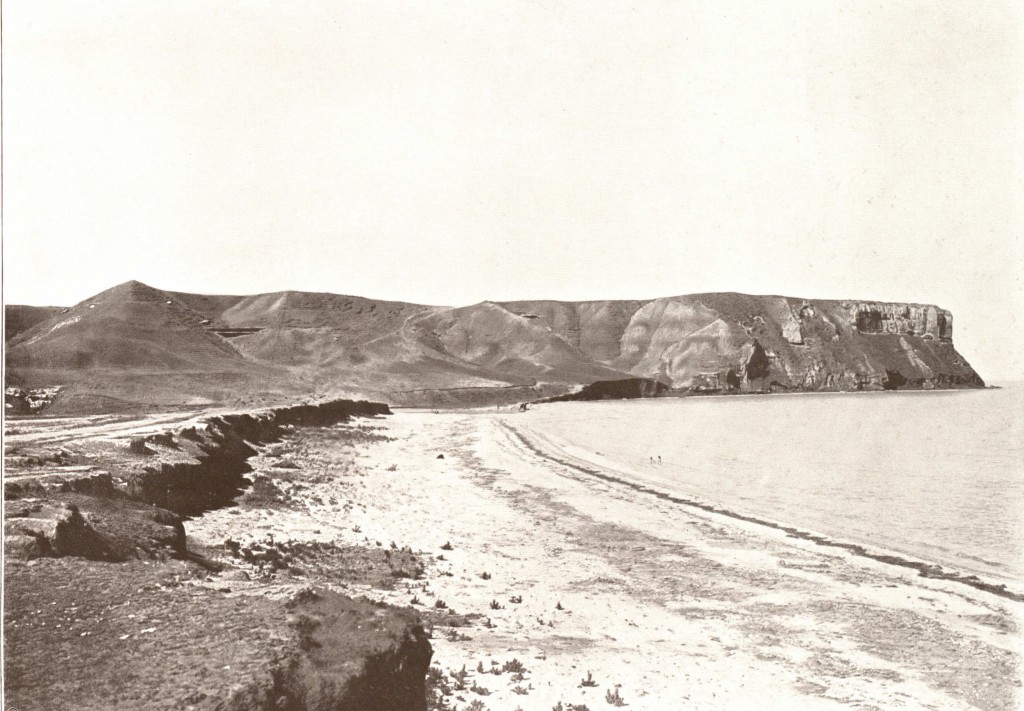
(661, 606)
(54, 431)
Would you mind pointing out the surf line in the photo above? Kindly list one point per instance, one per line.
(925, 570)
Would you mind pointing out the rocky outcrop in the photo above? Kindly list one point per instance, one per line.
(628, 389)
(735, 342)
(57, 528)
(725, 342)
(89, 527)
(18, 401)
(903, 320)
(51, 530)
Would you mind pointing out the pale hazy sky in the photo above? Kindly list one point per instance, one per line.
(451, 152)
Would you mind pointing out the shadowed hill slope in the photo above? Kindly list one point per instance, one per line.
(209, 306)
(332, 345)
(595, 327)
(18, 319)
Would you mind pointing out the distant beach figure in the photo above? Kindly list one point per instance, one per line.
(523, 407)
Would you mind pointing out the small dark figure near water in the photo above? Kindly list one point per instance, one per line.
(523, 407)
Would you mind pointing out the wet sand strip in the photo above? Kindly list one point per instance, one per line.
(925, 570)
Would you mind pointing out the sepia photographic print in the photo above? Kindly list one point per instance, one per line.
(513, 356)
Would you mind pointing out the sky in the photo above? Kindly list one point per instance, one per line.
(448, 153)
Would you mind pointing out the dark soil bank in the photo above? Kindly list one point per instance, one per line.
(216, 474)
(627, 389)
(82, 635)
(106, 607)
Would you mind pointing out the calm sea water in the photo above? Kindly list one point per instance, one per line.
(937, 475)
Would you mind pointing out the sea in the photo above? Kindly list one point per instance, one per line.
(934, 475)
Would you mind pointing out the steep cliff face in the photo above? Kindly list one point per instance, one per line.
(904, 320)
(721, 342)
(716, 342)
(742, 342)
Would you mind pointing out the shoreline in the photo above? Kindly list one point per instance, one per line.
(794, 392)
(926, 569)
(712, 396)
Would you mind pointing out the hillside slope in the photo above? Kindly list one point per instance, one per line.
(491, 336)
(293, 343)
(18, 319)
(133, 347)
(130, 326)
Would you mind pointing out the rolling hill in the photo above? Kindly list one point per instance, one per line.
(293, 344)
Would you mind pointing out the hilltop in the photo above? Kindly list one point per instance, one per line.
(129, 326)
(134, 345)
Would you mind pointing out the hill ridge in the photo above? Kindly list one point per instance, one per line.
(296, 340)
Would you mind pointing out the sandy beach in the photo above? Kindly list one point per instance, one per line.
(548, 586)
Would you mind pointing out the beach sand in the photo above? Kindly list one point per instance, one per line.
(662, 606)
